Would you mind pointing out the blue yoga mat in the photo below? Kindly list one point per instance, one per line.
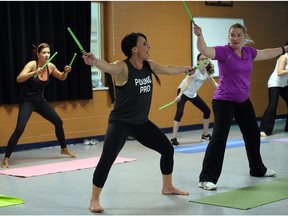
(201, 147)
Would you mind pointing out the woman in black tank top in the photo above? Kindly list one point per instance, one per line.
(133, 90)
(33, 80)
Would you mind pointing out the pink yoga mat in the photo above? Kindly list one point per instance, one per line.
(73, 164)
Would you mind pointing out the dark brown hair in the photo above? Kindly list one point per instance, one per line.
(130, 41)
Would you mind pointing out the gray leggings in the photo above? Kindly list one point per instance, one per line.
(148, 134)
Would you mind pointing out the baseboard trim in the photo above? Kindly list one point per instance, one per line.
(100, 138)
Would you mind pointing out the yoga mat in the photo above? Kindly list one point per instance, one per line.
(281, 140)
(9, 201)
(202, 147)
(52, 168)
(249, 197)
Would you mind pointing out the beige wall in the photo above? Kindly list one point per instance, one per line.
(167, 26)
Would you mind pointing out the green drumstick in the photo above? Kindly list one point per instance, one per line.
(166, 105)
(172, 102)
(46, 63)
(72, 60)
(187, 9)
(77, 41)
(201, 64)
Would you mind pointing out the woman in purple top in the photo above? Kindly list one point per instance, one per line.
(231, 100)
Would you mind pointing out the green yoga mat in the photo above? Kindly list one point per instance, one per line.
(8, 201)
(249, 197)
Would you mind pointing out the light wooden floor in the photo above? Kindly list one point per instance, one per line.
(134, 188)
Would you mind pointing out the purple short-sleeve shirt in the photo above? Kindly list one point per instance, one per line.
(234, 73)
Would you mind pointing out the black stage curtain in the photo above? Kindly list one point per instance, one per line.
(24, 24)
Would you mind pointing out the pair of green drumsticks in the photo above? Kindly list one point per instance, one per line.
(71, 62)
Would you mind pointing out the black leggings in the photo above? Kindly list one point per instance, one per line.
(25, 110)
(244, 115)
(197, 101)
(148, 134)
(268, 119)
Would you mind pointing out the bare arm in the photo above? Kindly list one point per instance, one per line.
(281, 65)
(28, 72)
(183, 89)
(201, 44)
(111, 68)
(213, 82)
(168, 69)
(269, 53)
(58, 74)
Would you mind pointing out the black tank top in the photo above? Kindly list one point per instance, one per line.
(133, 100)
(33, 89)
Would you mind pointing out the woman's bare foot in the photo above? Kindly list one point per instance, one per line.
(173, 191)
(5, 163)
(95, 206)
(68, 152)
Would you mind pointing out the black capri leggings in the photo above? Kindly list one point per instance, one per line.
(148, 134)
(197, 101)
(25, 110)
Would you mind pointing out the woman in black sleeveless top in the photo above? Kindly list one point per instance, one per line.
(31, 98)
(133, 90)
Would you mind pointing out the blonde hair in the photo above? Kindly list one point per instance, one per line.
(247, 39)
